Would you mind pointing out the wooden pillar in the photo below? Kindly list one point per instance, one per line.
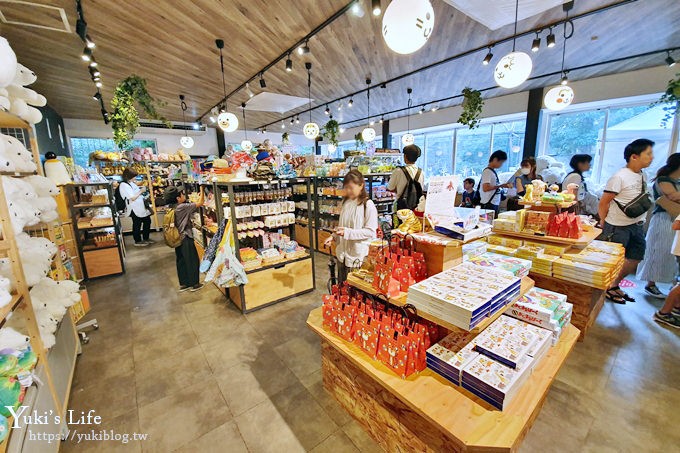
(533, 120)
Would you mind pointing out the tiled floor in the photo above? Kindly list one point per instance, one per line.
(196, 375)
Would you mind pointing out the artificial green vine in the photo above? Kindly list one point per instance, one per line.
(331, 132)
(359, 140)
(285, 138)
(472, 108)
(670, 100)
(125, 118)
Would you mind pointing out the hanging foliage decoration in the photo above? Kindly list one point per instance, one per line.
(285, 138)
(359, 140)
(670, 100)
(331, 132)
(125, 117)
(472, 108)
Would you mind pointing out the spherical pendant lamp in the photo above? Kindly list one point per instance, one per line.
(559, 97)
(311, 130)
(407, 139)
(246, 145)
(186, 142)
(513, 69)
(227, 121)
(407, 25)
(368, 134)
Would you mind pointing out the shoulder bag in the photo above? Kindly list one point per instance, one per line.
(638, 205)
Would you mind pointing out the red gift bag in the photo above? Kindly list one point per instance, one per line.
(367, 334)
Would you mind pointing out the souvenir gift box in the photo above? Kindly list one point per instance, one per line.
(464, 295)
(501, 250)
(494, 382)
(583, 273)
(474, 248)
(506, 242)
(449, 360)
(543, 308)
(543, 264)
(516, 266)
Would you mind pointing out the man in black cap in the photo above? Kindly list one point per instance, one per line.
(186, 254)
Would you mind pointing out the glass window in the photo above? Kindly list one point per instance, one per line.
(83, 146)
(509, 137)
(575, 133)
(626, 124)
(473, 147)
(437, 157)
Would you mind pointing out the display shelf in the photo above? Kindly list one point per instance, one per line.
(90, 205)
(79, 228)
(280, 281)
(10, 307)
(425, 412)
(586, 238)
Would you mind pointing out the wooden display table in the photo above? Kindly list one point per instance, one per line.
(586, 238)
(548, 207)
(587, 301)
(425, 412)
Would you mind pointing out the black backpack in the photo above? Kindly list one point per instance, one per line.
(410, 198)
(121, 204)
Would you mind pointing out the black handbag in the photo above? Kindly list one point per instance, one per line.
(638, 205)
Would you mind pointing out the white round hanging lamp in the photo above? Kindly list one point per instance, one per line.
(186, 142)
(227, 121)
(407, 139)
(368, 134)
(513, 69)
(311, 130)
(407, 25)
(559, 97)
(246, 145)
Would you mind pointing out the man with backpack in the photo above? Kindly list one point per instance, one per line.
(490, 187)
(407, 181)
(186, 255)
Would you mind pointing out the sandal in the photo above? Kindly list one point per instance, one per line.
(622, 294)
(612, 295)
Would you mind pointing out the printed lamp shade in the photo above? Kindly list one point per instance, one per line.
(407, 25)
(227, 121)
(513, 69)
(559, 97)
(311, 130)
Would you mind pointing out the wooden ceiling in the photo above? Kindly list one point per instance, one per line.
(171, 44)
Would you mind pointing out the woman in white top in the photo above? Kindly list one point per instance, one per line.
(587, 202)
(136, 209)
(357, 226)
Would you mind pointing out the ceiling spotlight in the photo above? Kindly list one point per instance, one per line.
(96, 79)
(371, 123)
(327, 111)
(536, 44)
(564, 80)
(350, 103)
(670, 61)
(264, 130)
(97, 96)
(375, 7)
(297, 120)
(342, 130)
(487, 58)
(87, 54)
(90, 44)
(212, 119)
(283, 126)
(382, 118)
(434, 108)
(550, 40)
(105, 115)
(340, 105)
(289, 64)
(358, 10)
(98, 84)
(249, 91)
(93, 63)
(263, 84)
(94, 72)
(422, 110)
(303, 49)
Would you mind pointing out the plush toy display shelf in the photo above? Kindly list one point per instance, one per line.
(54, 367)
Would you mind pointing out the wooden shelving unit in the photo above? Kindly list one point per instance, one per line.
(96, 261)
(55, 367)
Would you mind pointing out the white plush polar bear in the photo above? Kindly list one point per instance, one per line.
(11, 339)
(22, 98)
(15, 152)
(8, 63)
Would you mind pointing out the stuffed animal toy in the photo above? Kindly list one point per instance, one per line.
(16, 152)
(5, 296)
(539, 188)
(18, 189)
(22, 215)
(12, 340)
(43, 186)
(409, 221)
(46, 323)
(68, 292)
(5, 104)
(553, 175)
(55, 170)
(528, 193)
(22, 98)
(8, 63)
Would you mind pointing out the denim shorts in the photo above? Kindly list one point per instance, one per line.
(632, 237)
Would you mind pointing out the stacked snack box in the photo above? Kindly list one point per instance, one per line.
(543, 308)
(516, 266)
(448, 357)
(464, 295)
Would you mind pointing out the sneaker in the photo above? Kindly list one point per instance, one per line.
(141, 244)
(675, 312)
(196, 287)
(667, 319)
(184, 288)
(653, 291)
(149, 241)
